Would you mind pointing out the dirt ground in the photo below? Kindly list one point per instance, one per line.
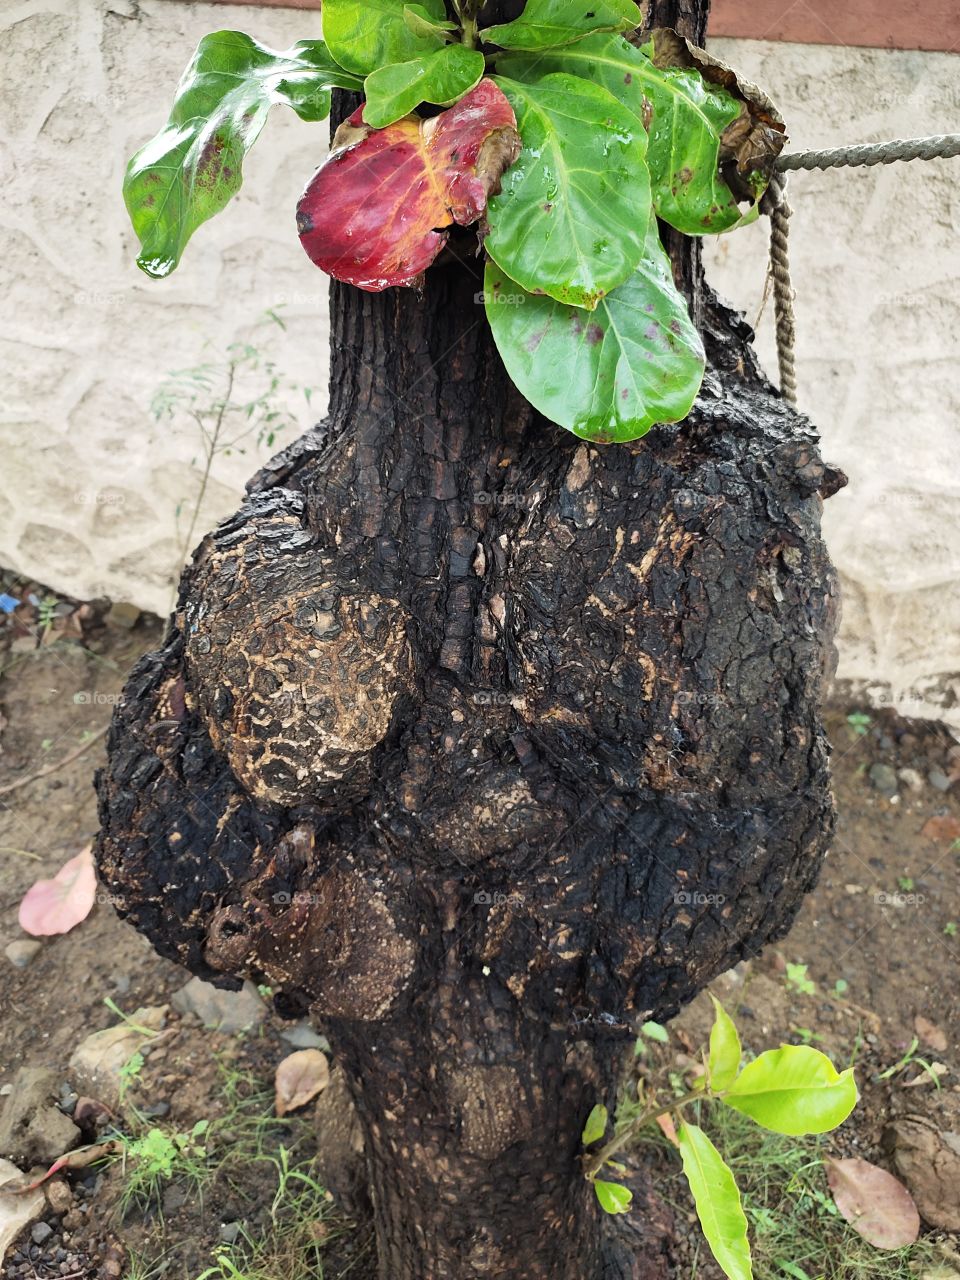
(880, 937)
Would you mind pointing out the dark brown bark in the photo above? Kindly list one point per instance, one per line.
(484, 745)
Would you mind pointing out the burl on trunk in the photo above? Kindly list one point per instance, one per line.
(483, 745)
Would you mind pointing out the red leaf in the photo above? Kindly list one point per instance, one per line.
(374, 212)
(55, 906)
(875, 1204)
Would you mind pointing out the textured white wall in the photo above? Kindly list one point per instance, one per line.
(91, 485)
(876, 266)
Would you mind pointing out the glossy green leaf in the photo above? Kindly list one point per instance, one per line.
(685, 116)
(366, 34)
(421, 24)
(545, 23)
(725, 1050)
(613, 1197)
(596, 1125)
(442, 78)
(717, 1199)
(795, 1090)
(572, 217)
(192, 168)
(609, 374)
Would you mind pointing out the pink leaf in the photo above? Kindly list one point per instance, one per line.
(875, 1204)
(300, 1077)
(55, 906)
(375, 212)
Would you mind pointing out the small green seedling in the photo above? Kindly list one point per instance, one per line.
(950, 928)
(859, 723)
(794, 1090)
(796, 980)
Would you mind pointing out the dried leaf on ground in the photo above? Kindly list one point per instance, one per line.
(55, 906)
(874, 1202)
(300, 1077)
(930, 1033)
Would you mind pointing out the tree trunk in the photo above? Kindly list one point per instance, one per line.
(485, 744)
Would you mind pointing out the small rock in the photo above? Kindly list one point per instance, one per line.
(303, 1036)
(98, 1061)
(33, 1130)
(230, 1231)
(928, 1161)
(155, 1110)
(21, 952)
(68, 1099)
(123, 615)
(913, 778)
(59, 1197)
(226, 1011)
(939, 780)
(16, 1212)
(41, 1232)
(174, 1198)
(884, 779)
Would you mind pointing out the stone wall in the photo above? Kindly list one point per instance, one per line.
(96, 495)
(876, 265)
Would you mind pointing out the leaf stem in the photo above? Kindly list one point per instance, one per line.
(595, 1160)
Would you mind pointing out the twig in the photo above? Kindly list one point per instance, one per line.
(54, 768)
(21, 853)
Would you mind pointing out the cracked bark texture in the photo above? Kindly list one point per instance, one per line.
(484, 745)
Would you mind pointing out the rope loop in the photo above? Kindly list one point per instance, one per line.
(774, 205)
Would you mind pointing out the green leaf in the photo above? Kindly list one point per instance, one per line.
(684, 114)
(718, 1202)
(572, 217)
(442, 78)
(725, 1051)
(613, 1197)
(795, 1090)
(192, 168)
(366, 34)
(418, 20)
(596, 1125)
(545, 23)
(654, 1031)
(606, 375)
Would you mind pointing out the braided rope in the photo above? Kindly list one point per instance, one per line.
(941, 147)
(774, 203)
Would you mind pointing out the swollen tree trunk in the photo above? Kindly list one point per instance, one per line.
(484, 744)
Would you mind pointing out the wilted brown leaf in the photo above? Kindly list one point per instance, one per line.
(943, 828)
(930, 1033)
(876, 1205)
(300, 1077)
